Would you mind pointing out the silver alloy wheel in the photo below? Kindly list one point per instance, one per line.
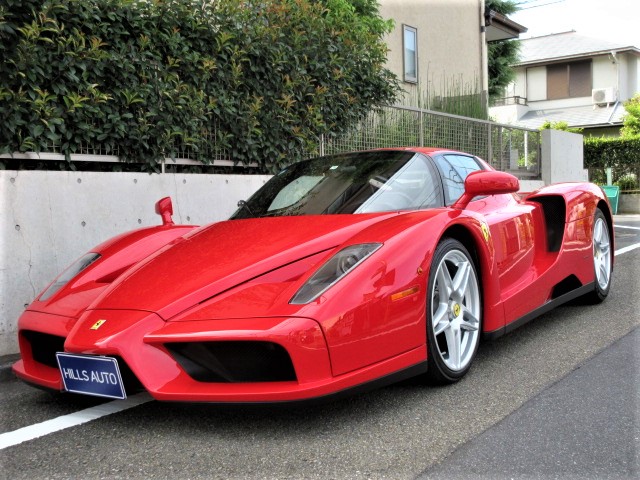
(455, 310)
(602, 253)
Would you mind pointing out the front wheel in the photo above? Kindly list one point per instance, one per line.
(454, 312)
(602, 259)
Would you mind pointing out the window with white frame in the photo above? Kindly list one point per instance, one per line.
(410, 47)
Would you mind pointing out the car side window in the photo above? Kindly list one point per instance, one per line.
(412, 187)
(454, 170)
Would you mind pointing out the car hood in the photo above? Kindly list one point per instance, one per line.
(223, 255)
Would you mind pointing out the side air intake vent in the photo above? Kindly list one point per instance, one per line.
(567, 285)
(555, 212)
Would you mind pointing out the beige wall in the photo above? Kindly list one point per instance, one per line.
(450, 44)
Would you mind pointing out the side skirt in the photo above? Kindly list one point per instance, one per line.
(567, 297)
(395, 377)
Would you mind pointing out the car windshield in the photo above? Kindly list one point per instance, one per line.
(362, 182)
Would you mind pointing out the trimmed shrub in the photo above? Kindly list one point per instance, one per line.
(611, 151)
(622, 155)
(259, 80)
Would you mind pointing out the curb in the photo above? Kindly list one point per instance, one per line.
(5, 366)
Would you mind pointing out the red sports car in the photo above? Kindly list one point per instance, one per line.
(341, 272)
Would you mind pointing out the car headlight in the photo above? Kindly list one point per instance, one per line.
(332, 271)
(66, 276)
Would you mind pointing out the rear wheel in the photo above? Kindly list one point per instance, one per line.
(602, 257)
(453, 313)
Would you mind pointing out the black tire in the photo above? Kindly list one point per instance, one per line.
(602, 260)
(458, 315)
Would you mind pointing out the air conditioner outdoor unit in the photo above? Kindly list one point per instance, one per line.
(604, 95)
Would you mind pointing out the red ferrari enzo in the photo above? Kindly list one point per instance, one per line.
(341, 272)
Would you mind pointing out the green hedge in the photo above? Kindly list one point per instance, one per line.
(621, 154)
(611, 151)
(259, 79)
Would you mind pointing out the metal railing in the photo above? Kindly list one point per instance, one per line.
(505, 147)
(627, 177)
(515, 100)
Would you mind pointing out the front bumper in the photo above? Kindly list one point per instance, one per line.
(144, 345)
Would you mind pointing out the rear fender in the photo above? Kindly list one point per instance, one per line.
(581, 201)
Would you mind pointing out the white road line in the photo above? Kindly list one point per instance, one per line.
(9, 439)
(627, 249)
(625, 226)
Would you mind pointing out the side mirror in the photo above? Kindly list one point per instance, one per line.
(164, 208)
(486, 182)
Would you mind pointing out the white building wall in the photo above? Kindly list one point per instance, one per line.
(536, 84)
(508, 114)
(604, 73)
(519, 88)
(633, 73)
(628, 75)
(561, 103)
(49, 218)
(623, 87)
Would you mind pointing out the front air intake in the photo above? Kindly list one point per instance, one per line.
(233, 362)
(44, 347)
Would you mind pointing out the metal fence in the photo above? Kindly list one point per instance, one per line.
(505, 147)
(627, 177)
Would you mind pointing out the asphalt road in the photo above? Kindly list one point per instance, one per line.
(589, 420)
(557, 398)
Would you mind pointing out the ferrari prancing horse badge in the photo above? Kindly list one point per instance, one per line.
(97, 325)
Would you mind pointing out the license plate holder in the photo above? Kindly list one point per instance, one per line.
(91, 375)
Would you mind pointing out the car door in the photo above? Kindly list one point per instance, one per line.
(513, 226)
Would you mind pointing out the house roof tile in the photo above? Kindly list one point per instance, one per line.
(587, 116)
(566, 45)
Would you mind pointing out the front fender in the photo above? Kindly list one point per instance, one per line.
(379, 309)
(117, 255)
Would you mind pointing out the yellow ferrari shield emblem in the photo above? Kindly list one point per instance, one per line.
(485, 232)
(97, 325)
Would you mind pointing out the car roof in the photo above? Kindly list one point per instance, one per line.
(426, 150)
(435, 150)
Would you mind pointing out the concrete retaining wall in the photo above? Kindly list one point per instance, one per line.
(48, 219)
(629, 203)
(562, 157)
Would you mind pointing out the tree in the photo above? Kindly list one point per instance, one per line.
(631, 120)
(502, 54)
(560, 125)
(259, 80)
